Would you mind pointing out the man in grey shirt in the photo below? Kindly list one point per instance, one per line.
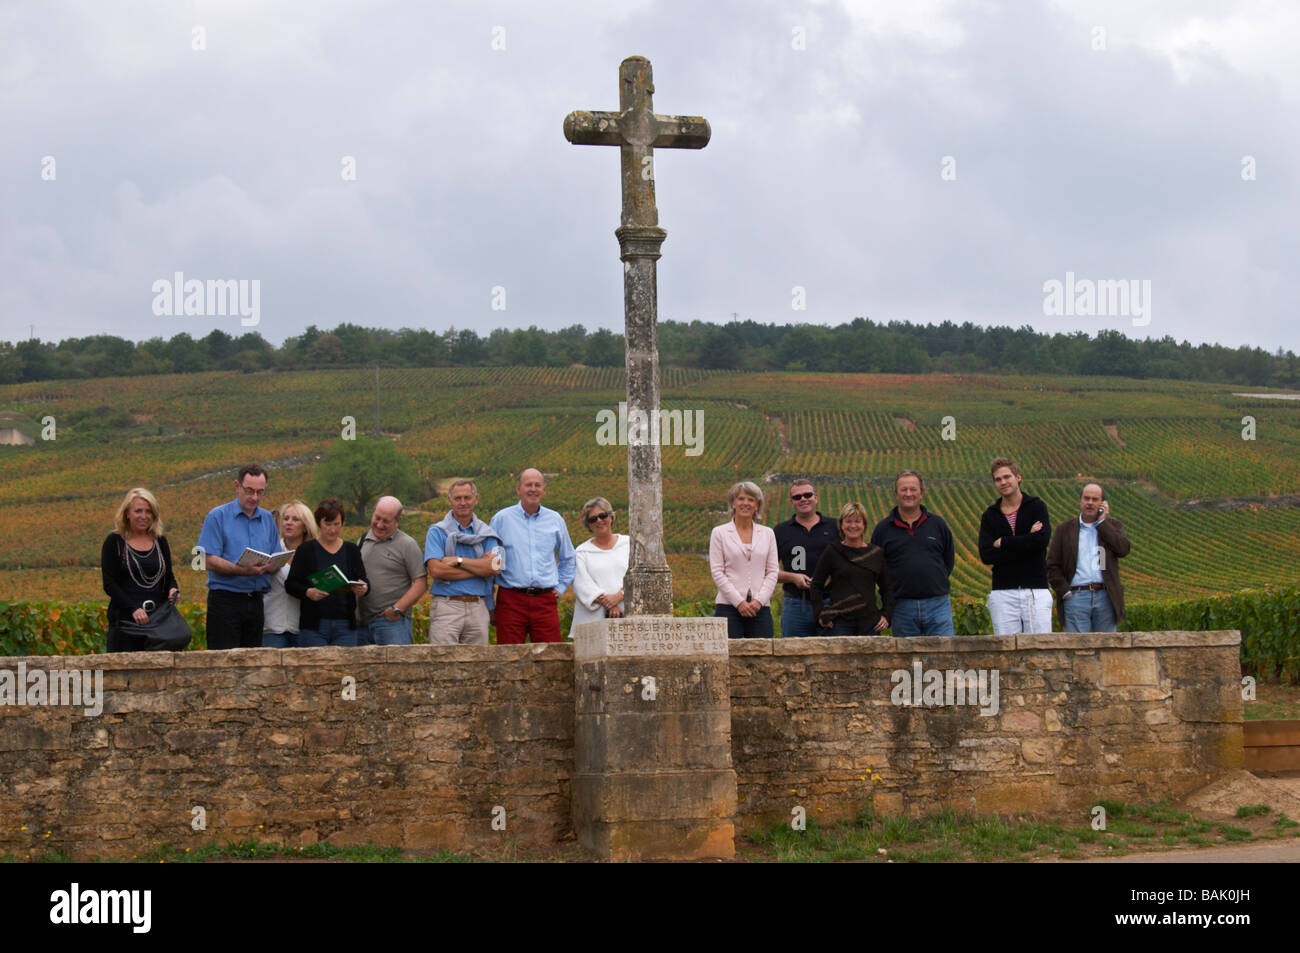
(395, 569)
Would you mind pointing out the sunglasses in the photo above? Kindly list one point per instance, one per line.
(598, 516)
(802, 496)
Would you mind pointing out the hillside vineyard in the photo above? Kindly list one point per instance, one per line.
(1205, 480)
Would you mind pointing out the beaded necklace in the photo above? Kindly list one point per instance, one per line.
(135, 566)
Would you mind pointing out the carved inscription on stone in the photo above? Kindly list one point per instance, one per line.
(642, 636)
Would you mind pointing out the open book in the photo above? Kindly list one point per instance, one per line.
(330, 579)
(251, 557)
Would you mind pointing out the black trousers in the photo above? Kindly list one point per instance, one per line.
(234, 619)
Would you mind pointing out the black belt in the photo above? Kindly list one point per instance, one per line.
(1090, 587)
(530, 591)
(238, 595)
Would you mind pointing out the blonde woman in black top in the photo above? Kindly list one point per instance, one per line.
(849, 573)
(136, 564)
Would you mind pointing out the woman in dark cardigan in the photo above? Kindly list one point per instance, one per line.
(850, 572)
(327, 618)
(136, 564)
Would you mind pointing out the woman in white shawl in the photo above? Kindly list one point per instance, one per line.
(602, 563)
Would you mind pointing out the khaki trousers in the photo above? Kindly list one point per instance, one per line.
(456, 622)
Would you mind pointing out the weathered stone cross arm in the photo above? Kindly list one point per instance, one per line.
(637, 131)
(586, 128)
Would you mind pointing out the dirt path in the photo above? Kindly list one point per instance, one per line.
(1284, 852)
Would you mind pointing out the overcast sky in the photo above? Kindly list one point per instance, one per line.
(913, 161)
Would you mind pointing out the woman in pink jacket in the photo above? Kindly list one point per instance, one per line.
(742, 558)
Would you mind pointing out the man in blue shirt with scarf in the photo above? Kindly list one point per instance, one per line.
(462, 554)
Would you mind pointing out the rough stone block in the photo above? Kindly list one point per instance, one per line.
(1128, 667)
(930, 646)
(653, 796)
(433, 835)
(1195, 663)
(833, 645)
(744, 648)
(134, 736)
(1074, 640)
(1021, 721)
(624, 842)
(1209, 701)
(19, 733)
(228, 659)
(1162, 639)
(676, 684)
(631, 741)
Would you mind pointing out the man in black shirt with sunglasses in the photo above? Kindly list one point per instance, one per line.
(800, 542)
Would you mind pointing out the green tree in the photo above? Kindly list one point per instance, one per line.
(360, 471)
(11, 365)
(604, 349)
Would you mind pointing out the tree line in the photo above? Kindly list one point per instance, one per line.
(857, 346)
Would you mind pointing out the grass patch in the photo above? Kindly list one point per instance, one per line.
(1273, 700)
(1131, 828)
(1235, 834)
(1253, 810)
(253, 849)
(1162, 813)
(953, 836)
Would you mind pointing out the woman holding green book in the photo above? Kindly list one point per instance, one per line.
(328, 575)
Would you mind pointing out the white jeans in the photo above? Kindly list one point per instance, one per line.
(1020, 610)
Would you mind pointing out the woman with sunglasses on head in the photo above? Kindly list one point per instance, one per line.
(601, 565)
(280, 611)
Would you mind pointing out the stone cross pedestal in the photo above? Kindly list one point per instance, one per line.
(653, 778)
(638, 131)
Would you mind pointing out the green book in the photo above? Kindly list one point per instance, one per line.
(330, 579)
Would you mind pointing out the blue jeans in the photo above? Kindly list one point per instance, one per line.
(913, 617)
(331, 632)
(738, 627)
(1089, 611)
(279, 640)
(383, 632)
(798, 618)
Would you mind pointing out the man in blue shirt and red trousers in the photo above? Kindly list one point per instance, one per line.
(539, 565)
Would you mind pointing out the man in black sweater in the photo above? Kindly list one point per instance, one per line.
(919, 553)
(1014, 533)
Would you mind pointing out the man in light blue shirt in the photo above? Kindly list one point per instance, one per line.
(461, 555)
(234, 618)
(539, 565)
(1083, 566)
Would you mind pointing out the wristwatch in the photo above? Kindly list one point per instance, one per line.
(460, 561)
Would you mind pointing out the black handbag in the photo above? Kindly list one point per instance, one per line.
(166, 629)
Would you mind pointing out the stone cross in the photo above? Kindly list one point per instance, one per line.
(637, 131)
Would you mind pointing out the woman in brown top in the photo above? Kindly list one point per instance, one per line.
(850, 572)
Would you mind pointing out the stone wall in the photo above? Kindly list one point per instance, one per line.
(269, 744)
(1126, 716)
(265, 741)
